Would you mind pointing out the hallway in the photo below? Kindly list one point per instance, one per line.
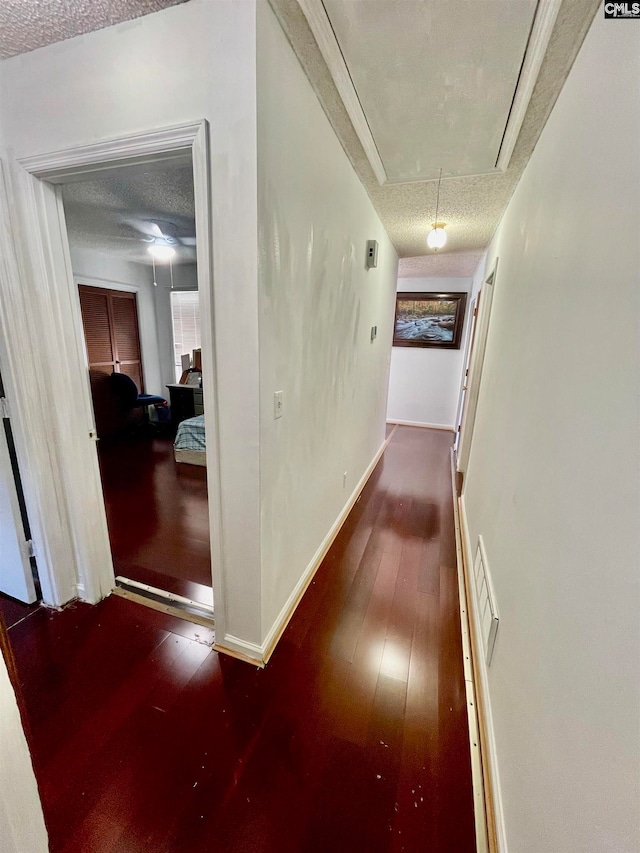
(354, 737)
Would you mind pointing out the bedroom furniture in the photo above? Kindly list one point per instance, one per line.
(190, 443)
(186, 402)
(128, 397)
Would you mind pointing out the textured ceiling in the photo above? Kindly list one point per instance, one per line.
(447, 99)
(106, 215)
(440, 265)
(28, 24)
(471, 207)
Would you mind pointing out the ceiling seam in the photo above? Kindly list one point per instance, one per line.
(515, 90)
(346, 65)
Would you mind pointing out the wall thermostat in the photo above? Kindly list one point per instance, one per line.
(372, 254)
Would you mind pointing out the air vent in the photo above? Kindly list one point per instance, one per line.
(485, 601)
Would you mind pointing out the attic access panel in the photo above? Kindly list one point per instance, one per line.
(436, 79)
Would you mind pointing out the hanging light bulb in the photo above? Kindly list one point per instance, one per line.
(437, 237)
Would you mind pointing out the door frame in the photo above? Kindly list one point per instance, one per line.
(468, 351)
(476, 364)
(64, 485)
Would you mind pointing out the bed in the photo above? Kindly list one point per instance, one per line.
(190, 446)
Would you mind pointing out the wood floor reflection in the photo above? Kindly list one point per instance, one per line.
(158, 516)
(354, 738)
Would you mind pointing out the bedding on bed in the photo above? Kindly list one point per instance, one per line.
(190, 435)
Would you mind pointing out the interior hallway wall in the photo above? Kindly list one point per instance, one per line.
(424, 382)
(187, 63)
(552, 482)
(99, 270)
(317, 306)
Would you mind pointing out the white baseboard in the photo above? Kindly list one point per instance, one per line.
(447, 427)
(477, 781)
(259, 654)
(241, 649)
(493, 798)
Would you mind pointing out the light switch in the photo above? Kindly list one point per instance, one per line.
(277, 404)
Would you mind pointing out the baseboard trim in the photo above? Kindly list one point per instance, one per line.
(290, 606)
(477, 781)
(241, 650)
(446, 427)
(496, 836)
(259, 655)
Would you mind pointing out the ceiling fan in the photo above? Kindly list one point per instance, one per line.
(162, 237)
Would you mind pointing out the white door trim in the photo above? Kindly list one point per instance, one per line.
(79, 562)
(468, 350)
(476, 364)
(75, 164)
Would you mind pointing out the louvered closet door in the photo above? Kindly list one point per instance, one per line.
(126, 338)
(96, 321)
(110, 321)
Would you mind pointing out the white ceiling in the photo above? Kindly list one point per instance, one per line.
(28, 24)
(376, 56)
(440, 265)
(435, 80)
(107, 214)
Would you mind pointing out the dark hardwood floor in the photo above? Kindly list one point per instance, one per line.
(13, 611)
(157, 514)
(354, 738)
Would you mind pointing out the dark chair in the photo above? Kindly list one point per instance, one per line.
(126, 393)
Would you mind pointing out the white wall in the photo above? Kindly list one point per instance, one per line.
(99, 270)
(424, 383)
(186, 63)
(22, 826)
(317, 306)
(552, 482)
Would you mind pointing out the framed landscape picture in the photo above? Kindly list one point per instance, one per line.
(429, 320)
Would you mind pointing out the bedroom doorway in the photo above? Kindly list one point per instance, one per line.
(134, 261)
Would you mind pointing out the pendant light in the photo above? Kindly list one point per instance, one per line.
(160, 251)
(437, 237)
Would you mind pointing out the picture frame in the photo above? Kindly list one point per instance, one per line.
(429, 320)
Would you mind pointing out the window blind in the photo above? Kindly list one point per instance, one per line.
(185, 318)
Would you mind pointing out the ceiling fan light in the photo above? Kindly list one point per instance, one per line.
(436, 238)
(161, 252)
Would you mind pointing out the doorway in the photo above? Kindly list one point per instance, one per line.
(64, 496)
(133, 247)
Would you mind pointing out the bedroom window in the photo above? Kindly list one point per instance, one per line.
(185, 319)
